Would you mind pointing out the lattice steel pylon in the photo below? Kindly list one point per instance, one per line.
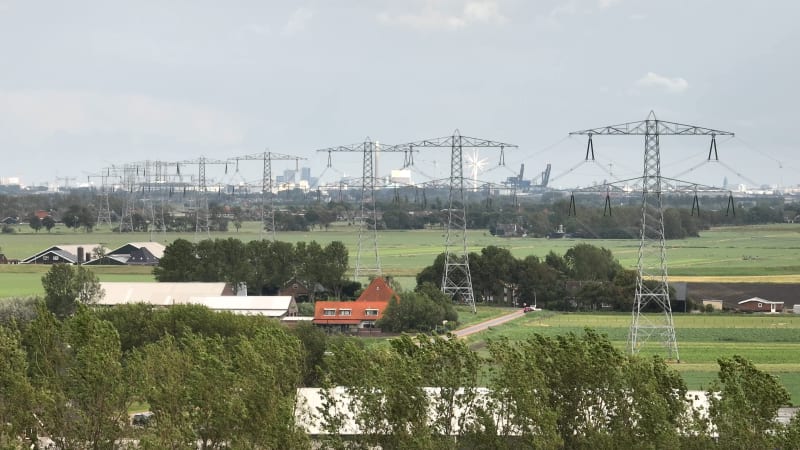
(104, 206)
(652, 311)
(267, 195)
(456, 278)
(201, 193)
(368, 220)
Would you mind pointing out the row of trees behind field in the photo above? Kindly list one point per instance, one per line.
(533, 216)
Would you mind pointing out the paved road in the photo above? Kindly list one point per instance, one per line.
(472, 329)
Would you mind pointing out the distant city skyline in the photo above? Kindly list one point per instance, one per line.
(96, 84)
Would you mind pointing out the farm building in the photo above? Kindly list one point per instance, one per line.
(757, 304)
(717, 305)
(133, 254)
(65, 254)
(159, 294)
(345, 316)
(732, 293)
(301, 291)
(270, 306)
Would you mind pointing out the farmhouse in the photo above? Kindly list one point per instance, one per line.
(345, 316)
(757, 304)
(301, 291)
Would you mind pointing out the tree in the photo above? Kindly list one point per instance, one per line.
(84, 391)
(16, 392)
(337, 260)
(72, 217)
(590, 263)
(220, 391)
(423, 310)
(68, 286)
(35, 222)
(178, 262)
(743, 405)
(48, 223)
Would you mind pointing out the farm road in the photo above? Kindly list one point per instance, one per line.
(478, 327)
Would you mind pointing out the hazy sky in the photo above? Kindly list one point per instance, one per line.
(88, 84)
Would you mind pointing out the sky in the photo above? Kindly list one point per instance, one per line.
(91, 84)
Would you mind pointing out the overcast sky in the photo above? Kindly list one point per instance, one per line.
(88, 84)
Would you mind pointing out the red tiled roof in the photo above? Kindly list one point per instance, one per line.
(378, 290)
(357, 311)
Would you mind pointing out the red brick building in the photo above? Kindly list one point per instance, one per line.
(352, 316)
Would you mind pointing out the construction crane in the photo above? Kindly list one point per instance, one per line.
(456, 279)
(267, 196)
(652, 289)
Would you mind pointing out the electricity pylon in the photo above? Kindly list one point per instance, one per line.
(456, 279)
(368, 220)
(267, 196)
(201, 193)
(652, 312)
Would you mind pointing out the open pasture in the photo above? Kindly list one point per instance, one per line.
(770, 341)
(756, 253)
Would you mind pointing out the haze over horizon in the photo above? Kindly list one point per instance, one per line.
(93, 84)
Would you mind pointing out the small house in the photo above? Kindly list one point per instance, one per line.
(757, 304)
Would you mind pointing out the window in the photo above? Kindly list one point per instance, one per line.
(345, 312)
(55, 258)
(329, 312)
(371, 312)
(46, 258)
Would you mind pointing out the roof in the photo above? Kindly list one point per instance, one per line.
(66, 251)
(272, 306)
(155, 248)
(154, 293)
(759, 300)
(378, 290)
(108, 260)
(357, 312)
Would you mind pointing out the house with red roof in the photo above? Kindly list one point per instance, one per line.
(352, 316)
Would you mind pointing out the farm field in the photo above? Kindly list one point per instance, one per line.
(755, 253)
(770, 341)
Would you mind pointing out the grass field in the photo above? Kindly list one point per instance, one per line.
(740, 254)
(770, 341)
(757, 253)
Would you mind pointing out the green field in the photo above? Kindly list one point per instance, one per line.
(772, 342)
(756, 253)
(733, 253)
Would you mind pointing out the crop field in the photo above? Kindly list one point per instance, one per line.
(772, 342)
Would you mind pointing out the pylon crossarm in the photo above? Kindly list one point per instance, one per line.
(641, 128)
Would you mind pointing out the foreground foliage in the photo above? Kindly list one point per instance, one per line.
(225, 381)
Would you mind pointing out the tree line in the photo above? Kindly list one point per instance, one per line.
(585, 278)
(220, 380)
(409, 208)
(265, 266)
